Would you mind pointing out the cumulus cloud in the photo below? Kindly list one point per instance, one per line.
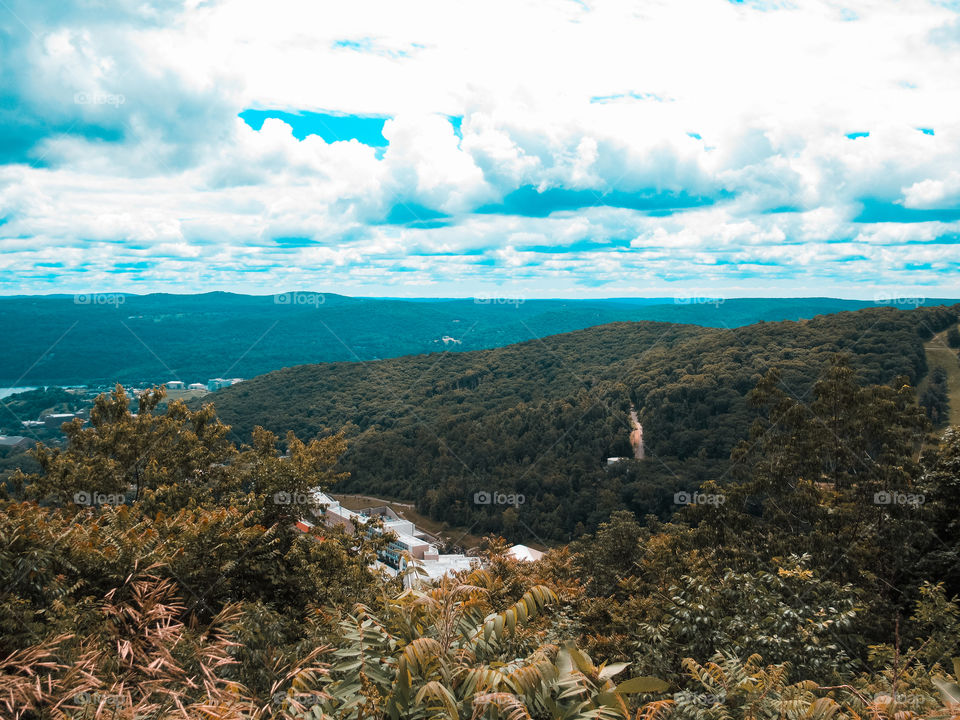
(934, 193)
(614, 147)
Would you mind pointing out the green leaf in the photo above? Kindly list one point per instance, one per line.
(439, 694)
(642, 685)
(612, 669)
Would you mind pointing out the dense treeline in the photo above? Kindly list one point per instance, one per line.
(935, 398)
(141, 340)
(812, 591)
(539, 419)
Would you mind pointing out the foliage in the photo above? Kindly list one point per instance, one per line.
(835, 477)
(441, 652)
(806, 593)
(953, 337)
(935, 399)
(539, 419)
(171, 492)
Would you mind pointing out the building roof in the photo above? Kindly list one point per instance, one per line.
(406, 539)
(444, 564)
(334, 507)
(524, 553)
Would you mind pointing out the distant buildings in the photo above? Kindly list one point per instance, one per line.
(214, 384)
(408, 540)
(55, 420)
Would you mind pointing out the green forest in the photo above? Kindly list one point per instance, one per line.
(142, 340)
(147, 569)
(540, 418)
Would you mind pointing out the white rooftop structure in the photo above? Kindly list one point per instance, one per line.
(444, 564)
(524, 553)
(335, 513)
(217, 383)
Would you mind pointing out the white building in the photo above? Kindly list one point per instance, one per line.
(214, 384)
(524, 553)
(408, 541)
(336, 515)
(175, 385)
(55, 420)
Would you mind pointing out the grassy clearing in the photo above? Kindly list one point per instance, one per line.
(939, 353)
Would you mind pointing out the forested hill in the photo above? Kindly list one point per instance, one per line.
(540, 418)
(143, 339)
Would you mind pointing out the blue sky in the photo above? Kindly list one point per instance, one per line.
(533, 147)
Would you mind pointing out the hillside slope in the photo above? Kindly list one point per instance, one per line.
(539, 418)
(136, 340)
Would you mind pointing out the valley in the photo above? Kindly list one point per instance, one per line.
(540, 418)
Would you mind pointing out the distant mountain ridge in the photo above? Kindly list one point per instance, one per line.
(139, 339)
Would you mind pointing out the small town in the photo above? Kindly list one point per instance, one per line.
(408, 543)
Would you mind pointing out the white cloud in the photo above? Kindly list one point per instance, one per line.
(929, 194)
(126, 143)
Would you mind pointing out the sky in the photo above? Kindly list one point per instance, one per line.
(555, 148)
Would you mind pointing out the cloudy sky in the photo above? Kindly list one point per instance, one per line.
(565, 148)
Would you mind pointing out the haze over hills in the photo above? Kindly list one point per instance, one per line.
(541, 417)
(142, 339)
